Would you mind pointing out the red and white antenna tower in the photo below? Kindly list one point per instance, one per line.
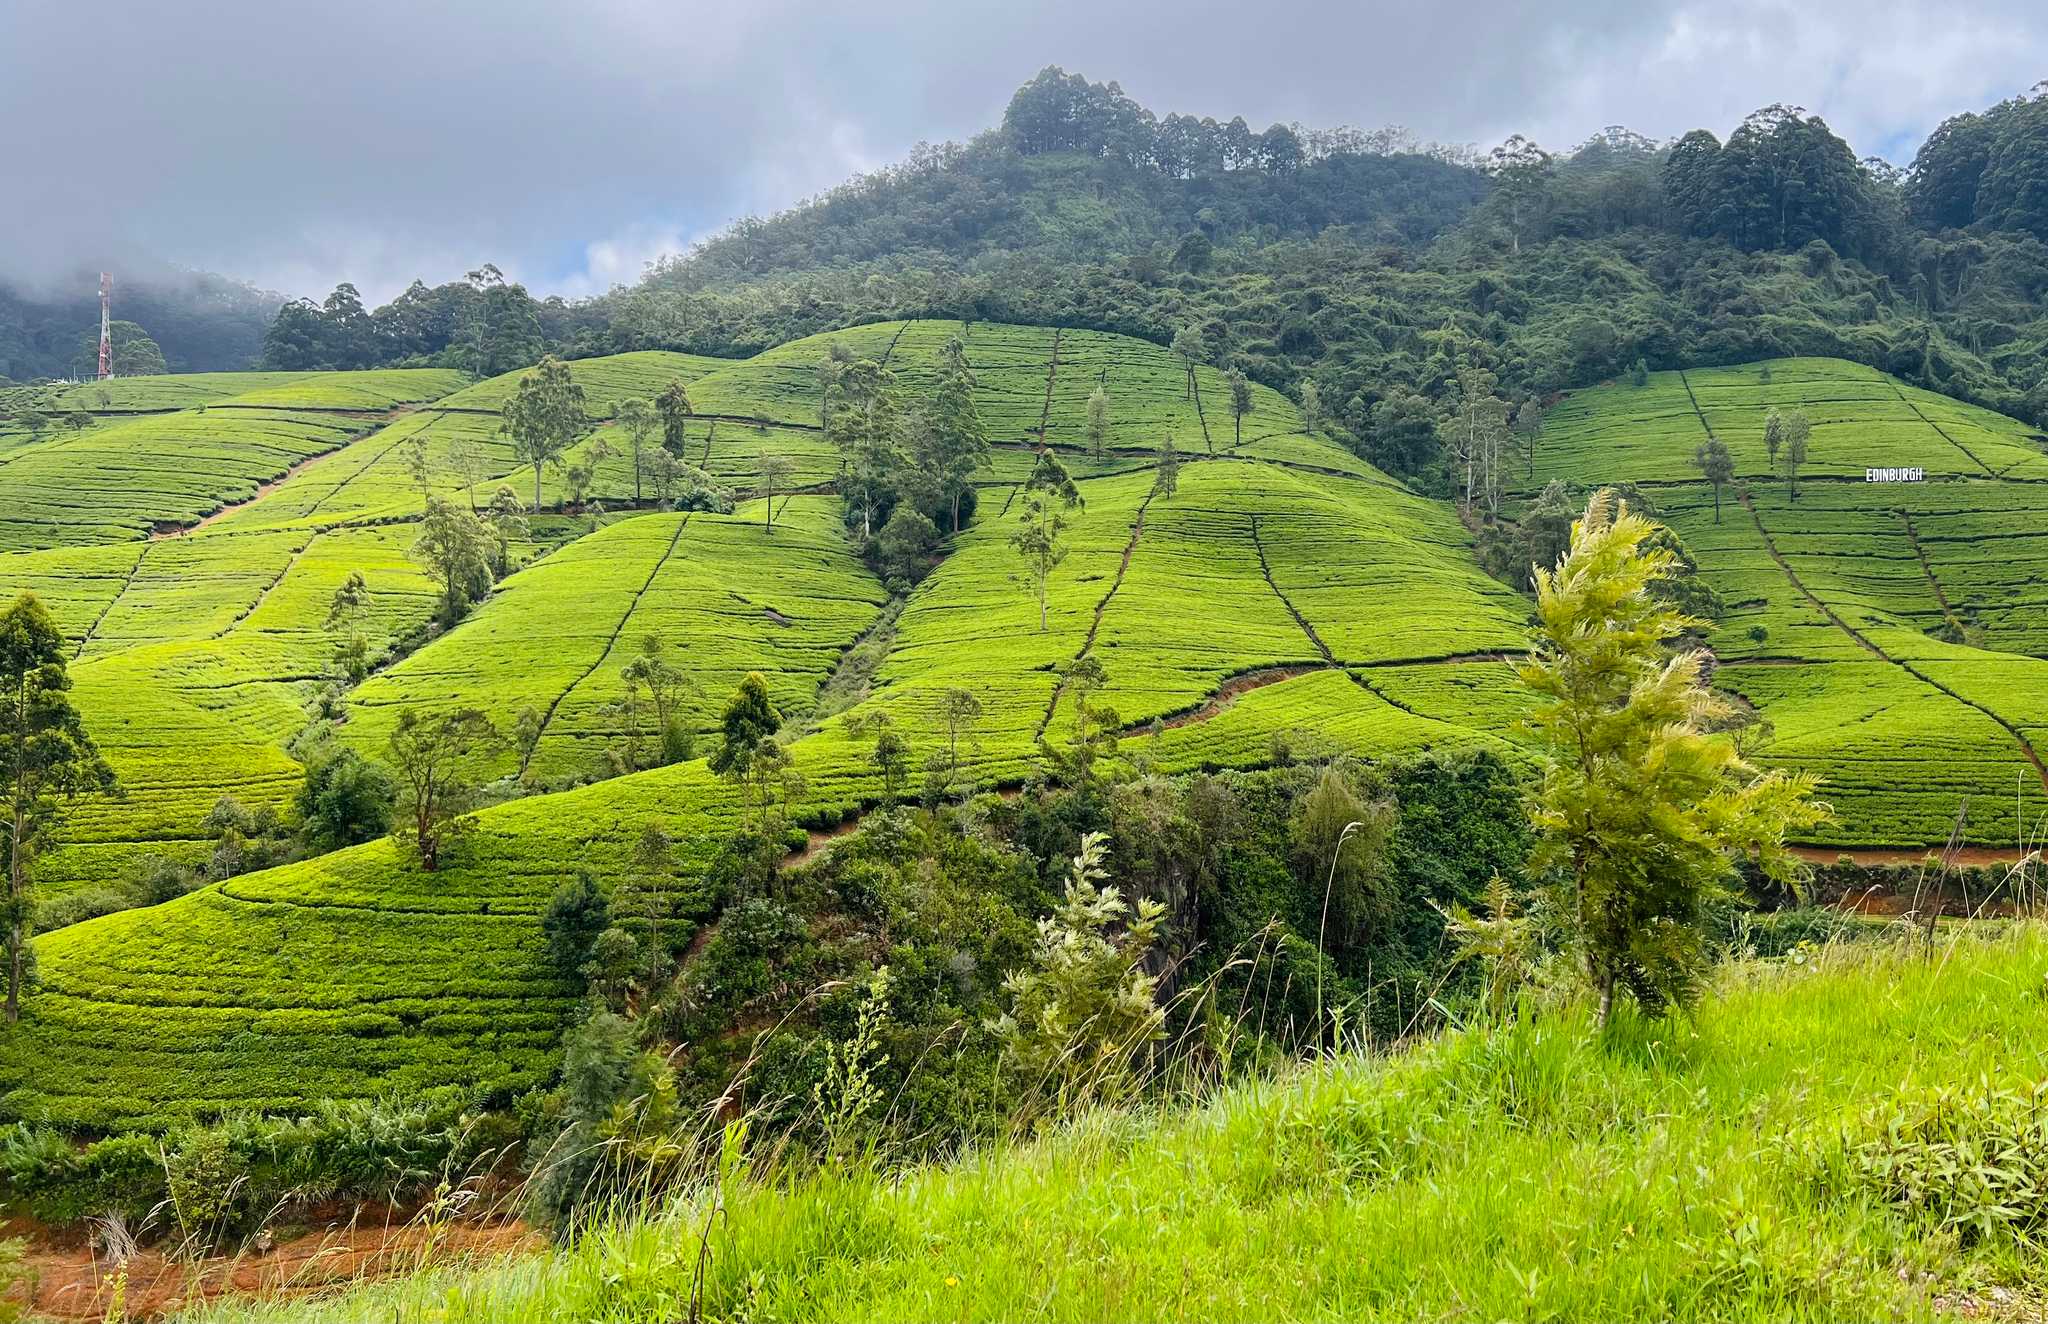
(106, 326)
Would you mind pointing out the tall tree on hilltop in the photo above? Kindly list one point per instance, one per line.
(1521, 172)
(432, 755)
(1643, 808)
(1774, 435)
(838, 358)
(1190, 348)
(674, 405)
(1716, 465)
(46, 758)
(775, 471)
(1040, 538)
(637, 416)
(1240, 403)
(1098, 420)
(955, 443)
(1167, 480)
(746, 734)
(865, 427)
(1798, 427)
(545, 416)
(1476, 434)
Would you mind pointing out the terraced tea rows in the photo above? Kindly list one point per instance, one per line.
(723, 594)
(1892, 634)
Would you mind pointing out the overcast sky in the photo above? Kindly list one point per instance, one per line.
(296, 144)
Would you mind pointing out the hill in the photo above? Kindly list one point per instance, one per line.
(1285, 595)
(1277, 552)
(1889, 633)
(1407, 1186)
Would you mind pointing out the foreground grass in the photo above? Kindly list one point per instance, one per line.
(1665, 1171)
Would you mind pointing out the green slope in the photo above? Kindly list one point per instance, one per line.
(1834, 598)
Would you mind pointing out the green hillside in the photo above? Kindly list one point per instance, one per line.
(1286, 593)
(1842, 604)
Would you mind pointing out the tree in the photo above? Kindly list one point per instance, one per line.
(1240, 403)
(1774, 435)
(1476, 434)
(345, 621)
(1642, 809)
(638, 418)
(1528, 426)
(666, 685)
(959, 710)
(865, 426)
(891, 750)
(775, 471)
(903, 548)
(46, 759)
(506, 519)
(1166, 481)
(1311, 405)
(1098, 421)
(1639, 373)
(1797, 429)
(432, 755)
(1716, 465)
(1086, 1008)
(673, 404)
(345, 799)
(1190, 349)
(545, 416)
(954, 442)
(455, 547)
(1040, 537)
(1521, 172)
(749, 723)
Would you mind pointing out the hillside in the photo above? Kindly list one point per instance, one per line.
(1268, 538)
(1286, 593)
(1726, 1166)
(1842, 603)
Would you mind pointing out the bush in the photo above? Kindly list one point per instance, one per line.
(345, 800)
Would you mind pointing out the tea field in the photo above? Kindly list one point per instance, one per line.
(1285, 597)
(1893, 636)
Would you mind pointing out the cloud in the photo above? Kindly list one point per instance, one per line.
(297, 145)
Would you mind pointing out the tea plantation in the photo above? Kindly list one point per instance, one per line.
(1894, 635)
(1285, 595)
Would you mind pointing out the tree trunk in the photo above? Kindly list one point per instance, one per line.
(957, 494)
(636, 473)
(536, 486)
(1606, 1000)
(17, 882)
(1717, 503)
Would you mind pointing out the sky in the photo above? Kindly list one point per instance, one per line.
(296, 145)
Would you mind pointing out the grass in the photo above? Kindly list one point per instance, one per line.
(1684, 1169)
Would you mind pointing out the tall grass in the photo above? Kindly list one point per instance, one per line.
(1665, 1170)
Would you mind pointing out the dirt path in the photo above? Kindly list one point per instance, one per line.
(1259, 545)
(1229, 692)
(1942, 432)
(262, 491)
(112, 602)
(1052, 372)
(71, 1283)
